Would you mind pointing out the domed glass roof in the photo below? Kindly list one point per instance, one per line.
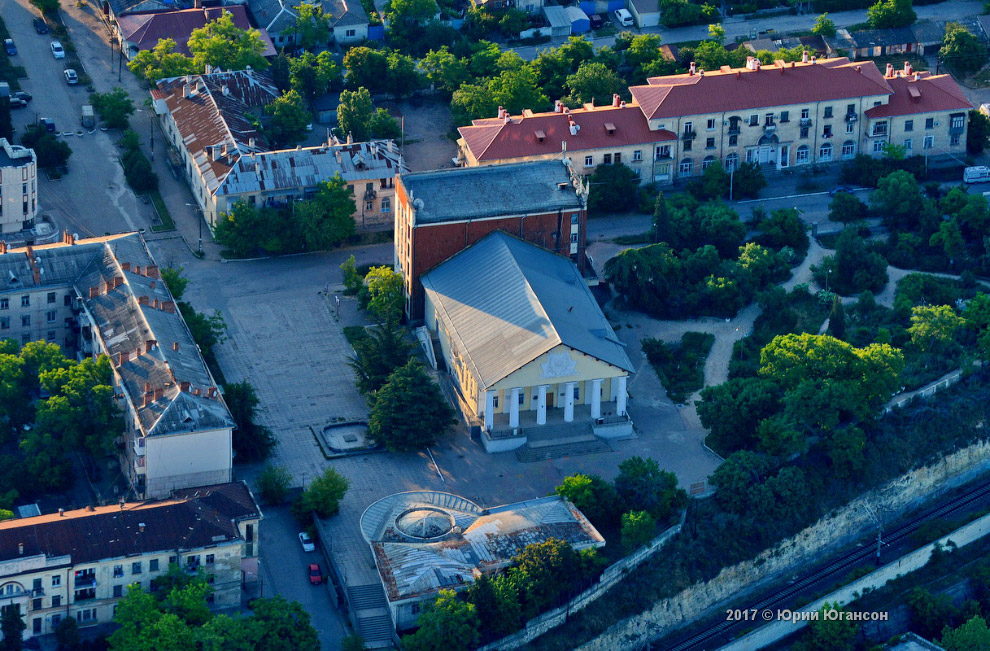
(424, 522)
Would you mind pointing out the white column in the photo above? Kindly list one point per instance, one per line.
(489, 409)
(514, 407)
(620, 395)
(569, 401)
(596, 398)
(541, 404)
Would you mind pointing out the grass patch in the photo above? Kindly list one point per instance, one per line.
(640, 238)
(681, 367)
(163, 214)
(355, 334)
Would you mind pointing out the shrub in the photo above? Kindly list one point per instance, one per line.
(273, 484)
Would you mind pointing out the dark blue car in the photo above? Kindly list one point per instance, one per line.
(8, 44)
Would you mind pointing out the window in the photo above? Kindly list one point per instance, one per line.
(56, 581)
(804, 132)
(880, 128)
(577, 393)
(153, 565)
(36, 626)
(210, 559)
(369, 206)
(51, 297)
(136, 567)
(850, 109)
(733, 141)
(954, 139)
(618, 158)
(929, 142)
(50, 316)
(36, 604)
(25, 320)
(768, 121)
(4, 323)
(908, 144)
(848, 149)
(25, 301)
(637, 155)
(828, 113)
(86, 615)
(711, 124)
(754, 120)
(878, 146)
(708, 162)
(663, 151)
(589, 161)
(386, 204)
(827, 131)
(805, 114)
(825, 152)
(118, 591)
(192, 562)
(36, 585)
(957, 122)
(687, 145)
(4, 303)
(850, 127)
(607, 159)
(574, 217)
(688, 127)
(686, 166)
(350, 33)
(909, 125)
(118, 571)
(709, 143)
(56, 602)
(731, 162)
(929, 123)
(785, 116)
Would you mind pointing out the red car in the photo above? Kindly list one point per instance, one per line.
(315, 575)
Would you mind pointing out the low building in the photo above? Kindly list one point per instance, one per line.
(136, 32)
(18, 187)
(531, 349)
(105, 296)
(209, 121)
(559, 21)
(427, 541)
(590, 135)
(580, 23)
(348, 20)
(440, 213)
(80, 563)
(646, 13)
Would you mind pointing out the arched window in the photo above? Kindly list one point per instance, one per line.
(705, 164)
(686, 167)
(802, 155)
(731, 162)
(825, 152)
(848, 149)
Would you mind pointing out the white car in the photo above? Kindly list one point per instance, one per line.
(57, 51)
(624, 17)
(306, 542)
(71, 77)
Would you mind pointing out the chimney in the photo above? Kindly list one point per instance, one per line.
(738, 74)
(890, 70)
(141, 527)
(90, 508)
(159, 393)
(211, 392)
(147, 387)
(3, 246)
(558, 106)
(168, 306)
(757, 64)
(125, 266)
(20, 549)
(917, 76)
(225, 90)
(195, 392)
(622, 104)
(814, 60)
(859, 69)
(137, 269)
(175, 345)
(616, 100)
(143, 300)
(61, 512)
(781, 69)
(501, 112)
(506, 119)
(123, 357)
(804, 57)
(154, 303)
(152, 271)
(693, 68)
(573, 127)
(252, 143)
(184, 387)
(197, 4)
(94, 292)
(150, 345)
(153, 284)
(186, 91)
(149, 397)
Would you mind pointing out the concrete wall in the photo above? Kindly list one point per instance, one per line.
(834, 530)
(917, 559)
(183, 460)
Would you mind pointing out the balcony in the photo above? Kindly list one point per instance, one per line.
(851, 117)
(734, 130)
(769, 129)
(878, 133)
(370, 194)
(139, 447)
(957, 131)
(689, 135)
(85, 595)
(805, 122)
(85, 580)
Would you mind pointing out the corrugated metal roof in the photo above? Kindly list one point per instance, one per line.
(537, 301)
(557, 17)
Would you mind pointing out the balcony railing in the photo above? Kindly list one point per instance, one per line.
(769, 128)
(851, 117)
(85, 595)
(85, 580)
(878, 133)
(734, 131)
(689, 135)
(805, 122)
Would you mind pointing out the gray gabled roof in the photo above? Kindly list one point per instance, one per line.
(505, 302)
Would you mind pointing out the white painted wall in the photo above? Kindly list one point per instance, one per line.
(184, 460)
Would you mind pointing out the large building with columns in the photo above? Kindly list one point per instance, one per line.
(523, 339)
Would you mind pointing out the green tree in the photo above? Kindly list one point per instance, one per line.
(402, 77)
(385, 294)
(252, 442)
(114, 107)
(365, 68)
(328, 218)
(891, 13)
(377, 356)
(240, 229)
(352, 279)
(644, 486)
(934, 326)
(748, 181)
(824, 26)
(594, 82)
(978, 133)
(409, 411)
(161, 62)
(930, 614)
(713, 184)
(853, 269)
(595, 497)
(829, 634)
(444, 69)
(353, 642)
(222, 44)
(847, 208)
(447, 623)
(51, 153)
(46, 6)
(312, 75)
(961, 50)
(613, 189)
(731, 411)
(175, 281)
(282, 625)
(323, 495)
(273, 484)
(67, 633)
(546, 572)
(949, 236)
(898, 198)
(496, 600)
(12, 626)
(736, 479)
(288, 120)
(970, 636)
(638, 528)
(517, 90)
(837, 320)
(354, 113)
(383, 125)
(312, 26)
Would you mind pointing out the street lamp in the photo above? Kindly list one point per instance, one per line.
(827, 270)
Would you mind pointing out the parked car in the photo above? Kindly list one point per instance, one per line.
(48, 123)
(17, 102)
(8, 44)
(596, 21)
(40, 26)
(24, 95)
(306, 542)
(624, 17)
(315, 575)
(70, 76)
(840, 188)
(57, 51)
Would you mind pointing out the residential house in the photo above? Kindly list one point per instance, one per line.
(814, 44)
(105, 296)
(80, 563)
(442, 212)
(531, 349)
(136, 32)
(646, 13)
(427, 541)
(348, 20)
(18, 187)
(590, 136)
(559, 21)
(209, 120)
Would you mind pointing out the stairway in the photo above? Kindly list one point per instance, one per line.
(371, 614)
(560, 440)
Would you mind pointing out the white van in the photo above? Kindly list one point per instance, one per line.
(624, 17)
(979, 174)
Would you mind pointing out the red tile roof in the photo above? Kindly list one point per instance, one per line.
(928, 94)
(145, 30)
(493, 139)
(741, 89)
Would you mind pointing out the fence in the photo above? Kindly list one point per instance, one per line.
(612, 575)
(926, 391)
